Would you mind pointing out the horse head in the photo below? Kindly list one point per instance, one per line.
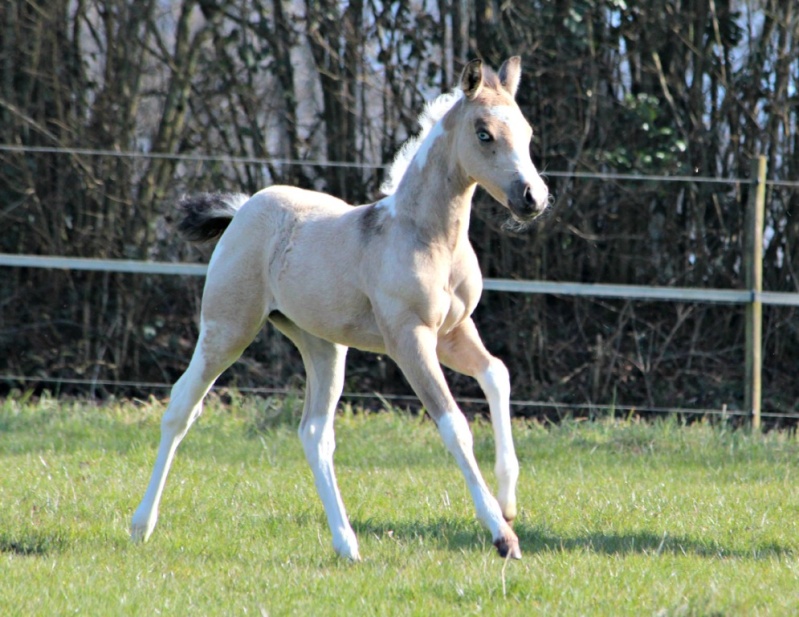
(493, 139)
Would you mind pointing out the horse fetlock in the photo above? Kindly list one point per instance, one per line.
(507, 476)
(508, 507)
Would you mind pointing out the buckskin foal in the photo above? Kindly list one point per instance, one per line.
(397, 277)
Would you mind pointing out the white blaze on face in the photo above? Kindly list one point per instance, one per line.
(521, 133)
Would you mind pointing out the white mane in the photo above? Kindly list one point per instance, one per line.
(432, 113)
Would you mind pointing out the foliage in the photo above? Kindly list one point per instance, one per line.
(679, 87)
(617, 518)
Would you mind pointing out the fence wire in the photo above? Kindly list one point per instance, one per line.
(254, 160)
(413, 400)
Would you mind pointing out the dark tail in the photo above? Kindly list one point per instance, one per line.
(206, 215)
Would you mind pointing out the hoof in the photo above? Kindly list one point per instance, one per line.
(142, 527)
(348, 551)
(354, 558)
(139, 533)
(508, 547)
(347, 546)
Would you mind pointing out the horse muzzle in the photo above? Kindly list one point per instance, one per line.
(527, 200)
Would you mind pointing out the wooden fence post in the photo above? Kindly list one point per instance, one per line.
(753, 265)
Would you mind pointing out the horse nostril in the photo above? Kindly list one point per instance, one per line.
(528, 196)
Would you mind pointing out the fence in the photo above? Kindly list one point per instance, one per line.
(753, 296)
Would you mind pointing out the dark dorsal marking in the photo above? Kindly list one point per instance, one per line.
(370, 221)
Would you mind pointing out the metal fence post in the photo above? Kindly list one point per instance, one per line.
(753, 264)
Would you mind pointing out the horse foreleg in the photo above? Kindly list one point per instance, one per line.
(325, 382)
(414, 349)
(463, 351)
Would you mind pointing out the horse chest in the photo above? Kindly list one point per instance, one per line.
(446, 296)
(448, 300)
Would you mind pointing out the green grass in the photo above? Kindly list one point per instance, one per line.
(616, 518)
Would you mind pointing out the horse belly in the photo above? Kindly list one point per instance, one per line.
(321, 296)
(346, 321)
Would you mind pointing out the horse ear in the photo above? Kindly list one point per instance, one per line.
(510, 73)
(472, 79)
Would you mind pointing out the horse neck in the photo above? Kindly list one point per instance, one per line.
(436, 197)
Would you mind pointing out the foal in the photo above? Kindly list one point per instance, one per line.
(396, 277)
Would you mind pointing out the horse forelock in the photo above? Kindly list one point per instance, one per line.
(434, 111)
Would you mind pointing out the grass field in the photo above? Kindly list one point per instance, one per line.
(616, 518)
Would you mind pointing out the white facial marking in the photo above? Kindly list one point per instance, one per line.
(517, 126)
(519, 129)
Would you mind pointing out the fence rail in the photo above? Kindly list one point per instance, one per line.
(628, 292)
(753, 298)
(555, 288)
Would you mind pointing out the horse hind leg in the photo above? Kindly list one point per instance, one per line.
(325, 382)
(495, 383)
(324, 366)
(214, 353)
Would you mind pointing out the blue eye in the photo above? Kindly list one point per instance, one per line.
(484, 136)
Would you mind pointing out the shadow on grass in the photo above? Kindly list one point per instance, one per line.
(463, 535)
(32, 544)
